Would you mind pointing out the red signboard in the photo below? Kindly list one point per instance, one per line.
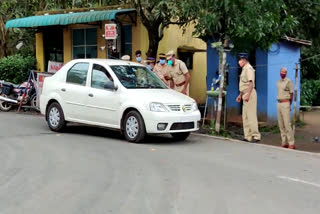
(110, 31)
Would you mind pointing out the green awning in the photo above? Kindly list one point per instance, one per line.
(66, 19)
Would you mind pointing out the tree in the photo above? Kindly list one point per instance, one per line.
(307, 13)
(247, 23)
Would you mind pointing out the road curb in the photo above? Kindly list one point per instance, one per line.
(257, 144)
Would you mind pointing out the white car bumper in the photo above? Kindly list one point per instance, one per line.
(175, 122)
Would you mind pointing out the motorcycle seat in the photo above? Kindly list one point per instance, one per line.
(9, 84)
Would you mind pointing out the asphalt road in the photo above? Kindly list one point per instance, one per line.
(94, 171)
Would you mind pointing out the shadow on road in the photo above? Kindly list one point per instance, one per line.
(80, 129)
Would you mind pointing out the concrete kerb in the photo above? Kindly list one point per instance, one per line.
(256, 144)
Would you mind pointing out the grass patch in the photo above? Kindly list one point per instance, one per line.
(210, 130)
(272, 129)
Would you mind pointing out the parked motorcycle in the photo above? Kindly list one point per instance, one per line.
(12, 94)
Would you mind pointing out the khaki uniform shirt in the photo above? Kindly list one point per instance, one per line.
(163, 72)
(177, 72)
(247, 75)
(285, 88)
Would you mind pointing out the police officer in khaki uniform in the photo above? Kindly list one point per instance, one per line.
(179, 72)
(285, 94)
(162, 70)
(249, 96)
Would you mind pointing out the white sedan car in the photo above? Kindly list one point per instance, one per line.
(118, 95)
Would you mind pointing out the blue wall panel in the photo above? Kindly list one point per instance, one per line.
(262, 84)
(283, 54)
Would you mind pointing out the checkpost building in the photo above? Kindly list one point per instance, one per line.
(65, 35)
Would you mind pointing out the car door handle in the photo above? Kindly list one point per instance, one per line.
(90, 95)
(63, 89)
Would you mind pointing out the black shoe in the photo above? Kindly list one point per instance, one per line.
(255, 141)
(246, 140)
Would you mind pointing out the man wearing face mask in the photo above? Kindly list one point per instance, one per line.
(285, 95)
(139, 58)
(151, 63)
(162, 70)
(249, 96)
(179, 72)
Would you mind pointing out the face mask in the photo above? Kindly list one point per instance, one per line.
(162, 61)
(139, 59)
(149, 67)
(170, 62)
(283, 76)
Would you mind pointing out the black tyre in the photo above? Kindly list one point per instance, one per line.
(134, 127)
(181, 136)
(55, 117)
(5, 106)
(33, 101)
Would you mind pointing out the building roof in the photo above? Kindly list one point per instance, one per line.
(66, 19)
(299, 41)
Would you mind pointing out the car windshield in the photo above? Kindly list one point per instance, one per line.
(133, 77)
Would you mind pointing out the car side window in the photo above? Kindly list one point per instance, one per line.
(100, 76)
(78, 74)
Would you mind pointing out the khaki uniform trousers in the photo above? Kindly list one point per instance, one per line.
(284, 123)
(249, 117)
(180, 88)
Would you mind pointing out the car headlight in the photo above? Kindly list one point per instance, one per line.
(158, 107)
(194, 107)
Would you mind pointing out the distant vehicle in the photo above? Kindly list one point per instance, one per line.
(12, 94)
(118, 95)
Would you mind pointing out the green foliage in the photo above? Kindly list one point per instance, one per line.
(307, 13)
(310, 93)
(247, 23)
(16, 68)
(272, 129)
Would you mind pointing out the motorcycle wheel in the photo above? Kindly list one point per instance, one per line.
(5, 106)
(33, 101)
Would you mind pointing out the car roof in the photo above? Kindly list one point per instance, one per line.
(109, 62)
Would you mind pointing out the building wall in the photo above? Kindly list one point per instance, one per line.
(269, 63)
(262, 84)
(233, 108)
(172, 40)
(283, 54)
(39, 51)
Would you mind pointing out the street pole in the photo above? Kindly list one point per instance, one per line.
(222, 63)
(295, 99)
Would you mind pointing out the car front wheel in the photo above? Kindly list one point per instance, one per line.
(55, 117)
(180, 136)
(134, 128)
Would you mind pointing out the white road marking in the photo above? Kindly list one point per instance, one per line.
(299, 181)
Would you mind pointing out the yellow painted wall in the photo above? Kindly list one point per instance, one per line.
(67, 44)
(172, 40)
(39, 51)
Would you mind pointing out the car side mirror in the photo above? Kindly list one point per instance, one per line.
(110, 85)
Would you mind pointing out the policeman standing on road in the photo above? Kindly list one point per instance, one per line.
(179, 72)
(285, 95)
(249, 96)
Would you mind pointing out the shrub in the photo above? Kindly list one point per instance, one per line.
(310, 93)
(16, 68)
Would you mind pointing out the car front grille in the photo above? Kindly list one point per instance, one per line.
(179, 108)
(182, 126)
(174, 107)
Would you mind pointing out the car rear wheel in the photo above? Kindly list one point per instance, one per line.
(180, 136)
(55, 117)
(134, 127)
